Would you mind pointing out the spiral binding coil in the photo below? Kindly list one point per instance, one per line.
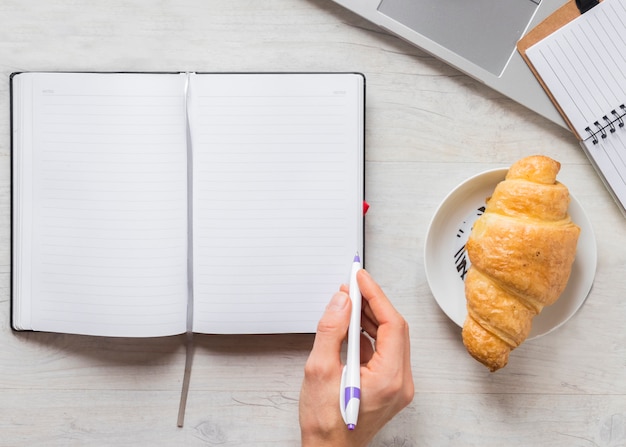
(607, 124)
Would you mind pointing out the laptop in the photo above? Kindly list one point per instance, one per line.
(478, 37)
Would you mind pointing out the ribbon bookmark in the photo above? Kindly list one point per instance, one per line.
(189, 339)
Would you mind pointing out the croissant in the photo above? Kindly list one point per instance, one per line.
(521, 251)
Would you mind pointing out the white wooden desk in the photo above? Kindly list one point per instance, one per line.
(428, 128)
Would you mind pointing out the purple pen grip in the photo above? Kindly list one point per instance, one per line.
(351, 392)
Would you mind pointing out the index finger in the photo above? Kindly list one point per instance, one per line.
(381, 307)
(392, 335)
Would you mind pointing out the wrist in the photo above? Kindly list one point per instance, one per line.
(340, 437)
(320, 440)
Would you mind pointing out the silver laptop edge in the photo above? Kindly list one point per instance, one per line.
(515, 81)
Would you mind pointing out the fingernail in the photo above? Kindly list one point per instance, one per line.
(338, 302)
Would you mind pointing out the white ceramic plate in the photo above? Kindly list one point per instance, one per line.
(446, 259)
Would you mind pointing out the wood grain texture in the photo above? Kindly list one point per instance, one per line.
(429, 127)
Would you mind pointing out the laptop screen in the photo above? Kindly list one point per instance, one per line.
(484, 32)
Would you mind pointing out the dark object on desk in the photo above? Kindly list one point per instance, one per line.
(585, 5)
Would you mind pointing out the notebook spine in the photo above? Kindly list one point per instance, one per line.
(607, 125)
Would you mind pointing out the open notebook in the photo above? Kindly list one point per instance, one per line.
(138, 198)
(581, 62)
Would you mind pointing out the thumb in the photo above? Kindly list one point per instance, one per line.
(331, 330)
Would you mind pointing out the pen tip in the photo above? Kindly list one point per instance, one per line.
(357, 258)
(351, 426)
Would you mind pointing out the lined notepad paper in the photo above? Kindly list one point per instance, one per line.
(583, 66)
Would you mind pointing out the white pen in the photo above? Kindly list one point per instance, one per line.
(350, 393)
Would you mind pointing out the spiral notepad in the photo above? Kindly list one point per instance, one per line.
(582, 66)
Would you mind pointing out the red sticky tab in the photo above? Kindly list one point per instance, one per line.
(366, 207)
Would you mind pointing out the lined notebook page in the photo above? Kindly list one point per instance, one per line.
(583, 65)
(277, 195)
(109, 215)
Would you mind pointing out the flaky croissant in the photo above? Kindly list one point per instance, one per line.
(521, 251)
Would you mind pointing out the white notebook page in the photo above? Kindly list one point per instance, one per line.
(608, 157)
(583, 64)
(109, 214)
(277, 197)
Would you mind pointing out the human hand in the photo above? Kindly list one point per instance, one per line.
(386, 379)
